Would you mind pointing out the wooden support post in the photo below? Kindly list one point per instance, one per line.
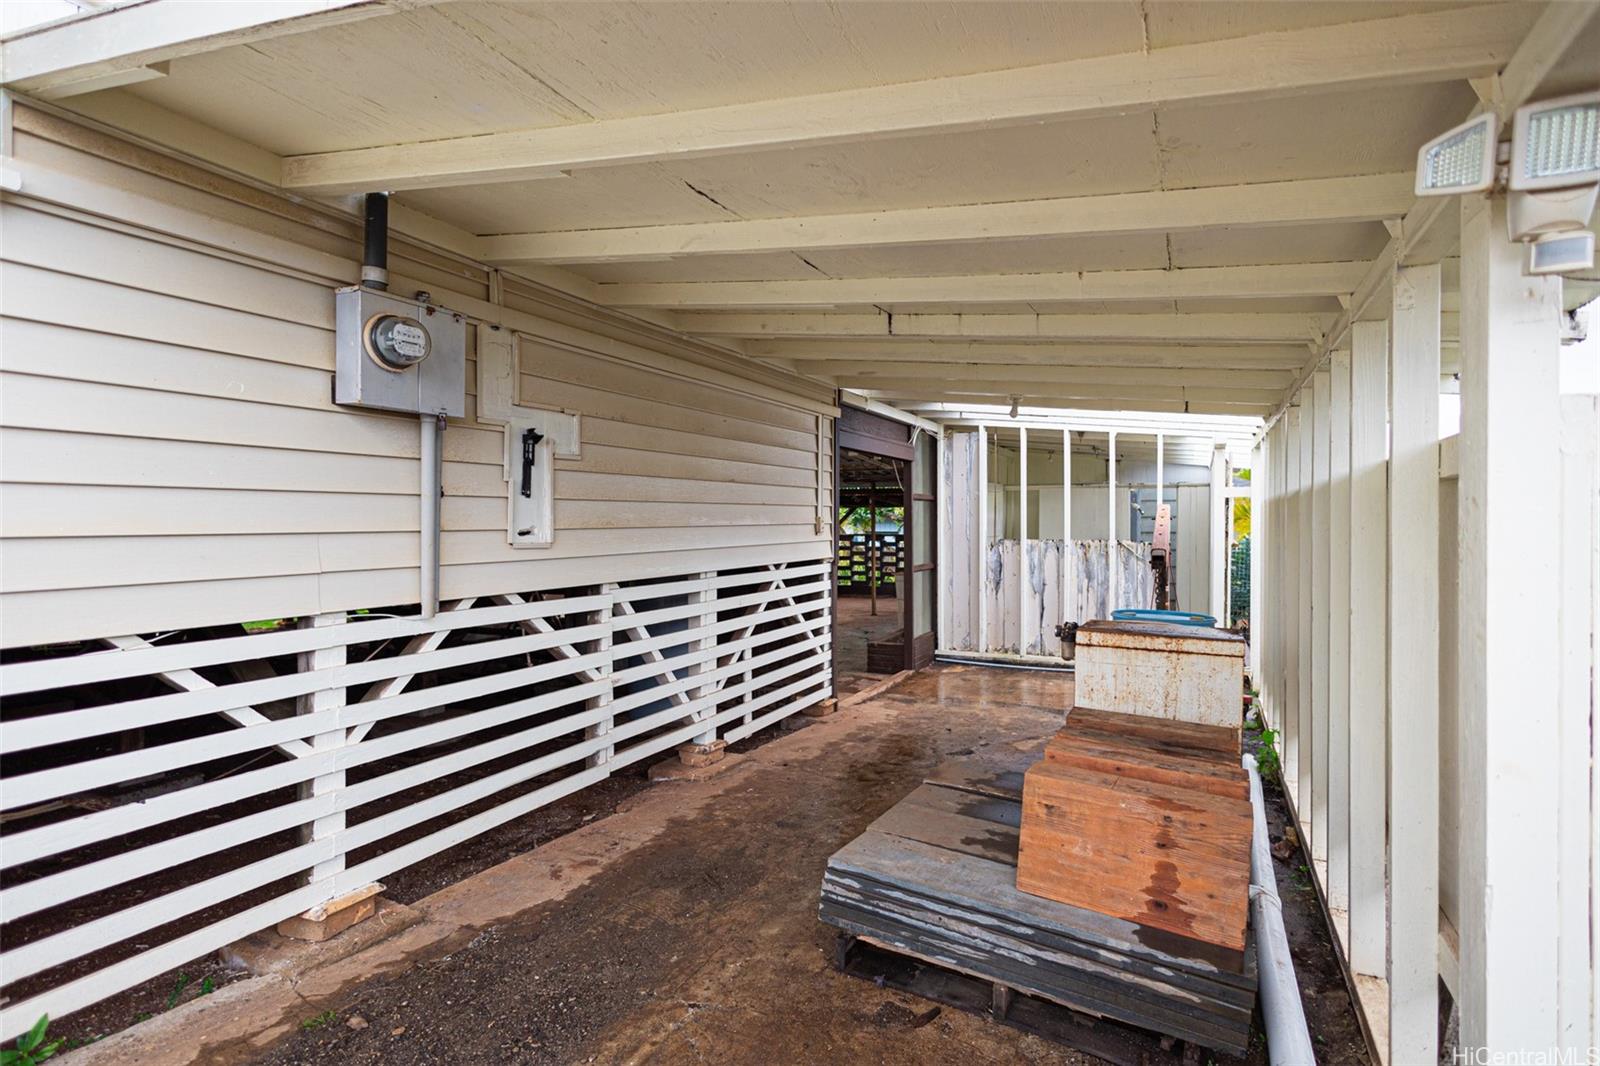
(1113, 571)
(1217, 543)
(1414, 667)
(1258, 528)
(705, 649)
(324, 699)
(872, 554)
(1161, 458)
(1289, 624)
(1321, 389)
(1339, 641)
(980, 569)
(1510, 501)
(1024, 584)
(1069, 555)
(602, 728)
(1579, 618)
(1369, 645)
(1305, 606)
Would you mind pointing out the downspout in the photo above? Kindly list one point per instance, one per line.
(1288, 1041)
(431, 425)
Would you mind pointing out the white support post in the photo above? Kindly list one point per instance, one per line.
(1339, 642)
(1161, 459)
(1306, 606)
(602, 618)
(1217, 544)
(1024, 584)
(330, 698)
(1321, 559)
(705, 649)
(1510, 594)
(1414, 667)
(980, 568)
(1294, 552)
(1277, 585)
(1068, 555)
(1113, 571)
(1579, 615)
(1369, 646)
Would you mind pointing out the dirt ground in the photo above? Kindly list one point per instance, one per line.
(692, 934)
(854, 625)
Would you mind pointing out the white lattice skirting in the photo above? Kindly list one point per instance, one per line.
(226, 784)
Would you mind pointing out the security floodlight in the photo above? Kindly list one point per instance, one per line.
(1552, 169)
(1556, 144)
(1459, 161)
(1554, 179)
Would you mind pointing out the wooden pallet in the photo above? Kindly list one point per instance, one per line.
(1112, 1042)
(935, 878)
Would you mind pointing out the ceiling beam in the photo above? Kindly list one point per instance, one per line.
(854, 374)
(1367, 198)
(897, 353)
(121, 45)
(1428, 230)
(1056, 392)
(1240, 430)
(1432, 46)
(1289, 279)
(1144, 403)
(1190, 328)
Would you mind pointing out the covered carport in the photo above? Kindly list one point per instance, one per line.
(964, 213)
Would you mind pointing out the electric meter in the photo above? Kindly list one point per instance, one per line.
(396, 342)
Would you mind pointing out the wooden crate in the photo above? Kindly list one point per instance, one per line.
(1162, 670)
(1144, 820)
(935, 879)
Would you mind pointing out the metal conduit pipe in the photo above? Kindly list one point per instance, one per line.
(432, 451)
(375, 243)
(1288, 1040)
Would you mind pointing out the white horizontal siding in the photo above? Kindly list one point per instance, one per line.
(170, 454)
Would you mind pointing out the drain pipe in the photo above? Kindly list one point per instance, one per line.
(375, 275)
(1288, 1041)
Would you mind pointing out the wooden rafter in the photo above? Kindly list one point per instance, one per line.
(904, 357)
(1367, 198)
(1192, 328)
(1432, 46)
(124, 44)
(1291, 279)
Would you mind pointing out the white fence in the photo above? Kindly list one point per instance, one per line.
(176, 793)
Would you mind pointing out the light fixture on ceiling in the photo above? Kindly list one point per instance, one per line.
(1014, 402)
(1552, 172)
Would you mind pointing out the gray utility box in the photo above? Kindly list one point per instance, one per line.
(399, 355)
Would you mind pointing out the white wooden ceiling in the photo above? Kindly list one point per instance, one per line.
(1160, 205)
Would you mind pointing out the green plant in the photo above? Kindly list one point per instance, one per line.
(320, 1020)
(1267, 754)
(177, 990)
(207, 986)
(31, 1047)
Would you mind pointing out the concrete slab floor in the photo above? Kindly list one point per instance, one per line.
(681, 929)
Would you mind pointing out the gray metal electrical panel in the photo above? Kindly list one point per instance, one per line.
(399, 355)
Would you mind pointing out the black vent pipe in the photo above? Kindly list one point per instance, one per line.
(375, 257)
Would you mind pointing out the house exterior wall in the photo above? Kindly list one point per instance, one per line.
(172, 457)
